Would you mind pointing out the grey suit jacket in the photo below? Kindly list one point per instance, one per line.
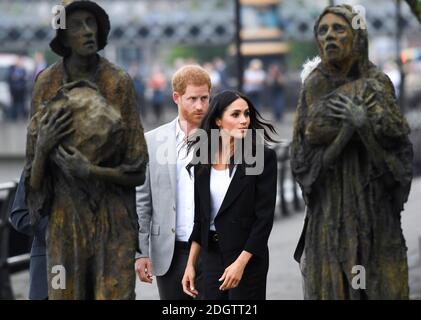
(155, 199)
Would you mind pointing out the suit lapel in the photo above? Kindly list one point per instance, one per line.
(203, 180)
(236, 186)
(172, 157)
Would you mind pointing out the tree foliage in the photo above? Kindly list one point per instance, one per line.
(415, 7)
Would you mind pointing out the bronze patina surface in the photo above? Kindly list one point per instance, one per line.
(86, 152)
(353, 160)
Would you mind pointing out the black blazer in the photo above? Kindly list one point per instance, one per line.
(19, 219)
(245, 218)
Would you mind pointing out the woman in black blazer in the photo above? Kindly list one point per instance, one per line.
(235, 191)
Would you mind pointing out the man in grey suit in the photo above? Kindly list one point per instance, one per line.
(19, 219)
(165, 202)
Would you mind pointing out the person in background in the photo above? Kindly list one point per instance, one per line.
(17, 79)
(157, 83)
(254, 80)
(275, 83)
(20, 220)
(139, 87)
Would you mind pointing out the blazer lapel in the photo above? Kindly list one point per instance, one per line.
(172, 156)
(236, 186)
(203, 181)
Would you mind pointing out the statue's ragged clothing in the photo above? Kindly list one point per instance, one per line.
(353, 208)
(93, 227)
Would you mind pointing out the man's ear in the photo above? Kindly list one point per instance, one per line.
(176, 97)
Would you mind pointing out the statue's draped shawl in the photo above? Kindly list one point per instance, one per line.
(122, 146)
(353, 207)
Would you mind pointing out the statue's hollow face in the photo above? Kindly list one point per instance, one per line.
(335, 38)
(81, 33)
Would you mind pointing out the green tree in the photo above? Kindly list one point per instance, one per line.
(415, 7)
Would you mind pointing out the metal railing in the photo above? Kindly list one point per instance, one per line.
(289, 196)
(8, 263)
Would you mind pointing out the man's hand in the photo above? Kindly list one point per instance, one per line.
(346, 109)
(188, 281)
(73, 163)
(143, 268)
(53, 129)
(232, 275)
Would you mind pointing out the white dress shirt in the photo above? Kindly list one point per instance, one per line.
(184, 190)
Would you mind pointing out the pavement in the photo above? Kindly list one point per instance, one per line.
(284, 278)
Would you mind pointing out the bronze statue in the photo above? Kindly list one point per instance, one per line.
(352, 158)
(86, 152)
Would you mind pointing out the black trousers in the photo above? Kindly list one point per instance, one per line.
(169, 285)
(252, 285)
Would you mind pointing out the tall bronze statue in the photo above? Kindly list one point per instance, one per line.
(352, 158)
(86, 152)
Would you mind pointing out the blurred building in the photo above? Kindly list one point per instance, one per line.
(261, 29)
(145, 24)
(139, 28)
(145, 31)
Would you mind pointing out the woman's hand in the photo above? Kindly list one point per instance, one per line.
(232, 275)
(188, 281)
(346, 109)
(53, 129)
(73, 163)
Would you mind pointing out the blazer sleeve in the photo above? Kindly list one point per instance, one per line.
(266, 184)
(144, 214)
(196, 233)
(19, 216)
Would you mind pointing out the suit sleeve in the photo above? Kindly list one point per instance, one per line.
(144, 213)
(265, 197)
(19, 216)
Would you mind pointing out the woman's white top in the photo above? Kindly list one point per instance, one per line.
(219, 183)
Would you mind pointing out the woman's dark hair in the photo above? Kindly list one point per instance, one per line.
(218, 104)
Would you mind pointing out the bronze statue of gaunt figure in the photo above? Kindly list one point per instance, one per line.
(353, 160)
(86, 152)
